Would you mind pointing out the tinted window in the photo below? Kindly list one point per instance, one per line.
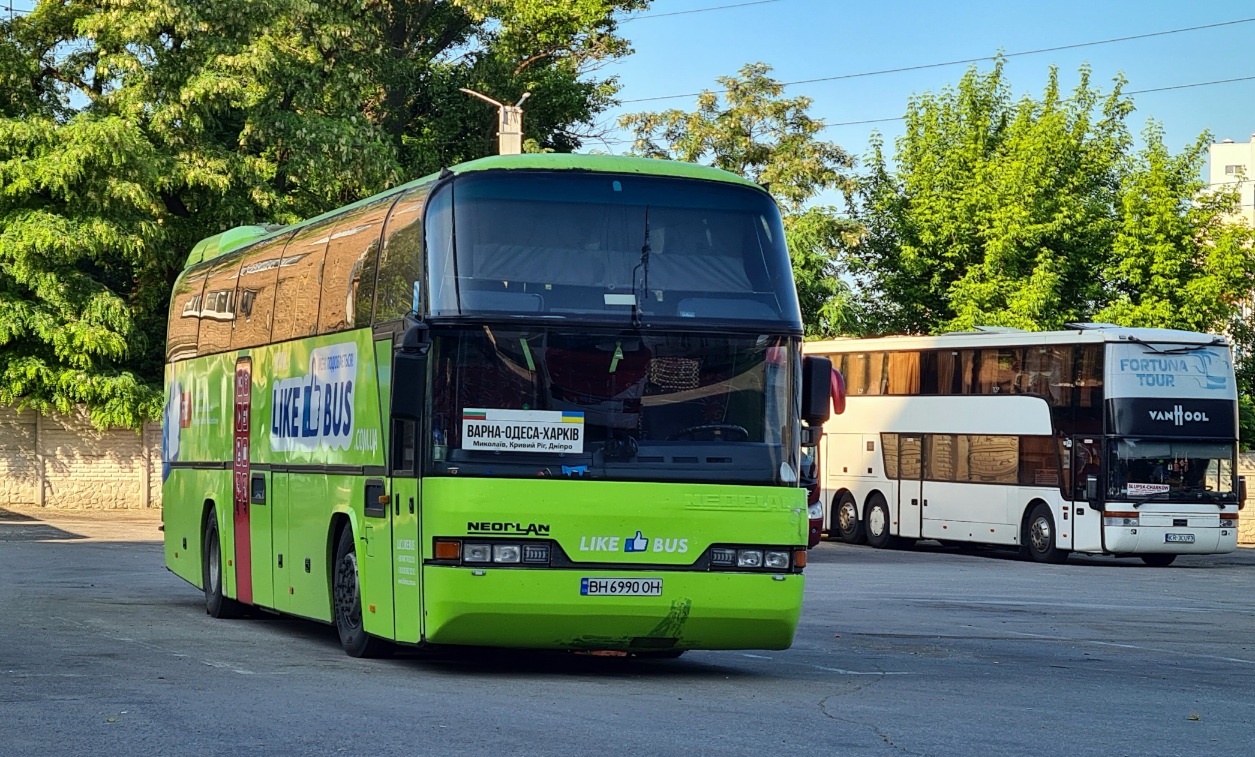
(889, 447)
(401, 259)
(939, 457)
(999, 371)
(258, 272)
(910, 452)
(601, 244)
(1048, 373)
(300, 282)
(1089, 391)
(218, 306)
(1038, 464)
(904, 373)
(991, 459)
(348, 274)
(184, 323)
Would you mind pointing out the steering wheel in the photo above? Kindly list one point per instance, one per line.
(727, 432)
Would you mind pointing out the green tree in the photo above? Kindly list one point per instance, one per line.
(753, 131)
(129, 130)
(996, 211)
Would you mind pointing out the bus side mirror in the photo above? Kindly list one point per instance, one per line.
(1241, 492)
(816, 389)
(409, 374)
(1091, 491)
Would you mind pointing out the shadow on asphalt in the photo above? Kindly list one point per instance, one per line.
(21, 527)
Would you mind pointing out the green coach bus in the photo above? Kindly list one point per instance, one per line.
(541, 401)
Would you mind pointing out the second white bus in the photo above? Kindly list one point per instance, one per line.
(1095, 440)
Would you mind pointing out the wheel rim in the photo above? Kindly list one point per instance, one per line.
(215, 563)
(348, 604)
(846, 517)
(877, 520)
(1041, 534)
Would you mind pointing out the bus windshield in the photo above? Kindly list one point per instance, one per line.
(613, 247)
(1171, 470)
(621, 405)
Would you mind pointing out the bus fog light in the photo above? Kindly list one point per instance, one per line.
(477, 552)
(777, 560)
(505, 553)
(722, 556)
(749, 558)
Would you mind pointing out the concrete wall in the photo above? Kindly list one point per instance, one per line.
(64, 462)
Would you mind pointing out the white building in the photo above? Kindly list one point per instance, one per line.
(1234, 163)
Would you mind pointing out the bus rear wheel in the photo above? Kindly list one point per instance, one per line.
(217, 605)
(849, 526)
(1158, 560)
(1039, 536)
(347, 599)
(878, 523)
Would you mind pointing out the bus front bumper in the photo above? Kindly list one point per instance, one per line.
(545, 609)
(1169, 540)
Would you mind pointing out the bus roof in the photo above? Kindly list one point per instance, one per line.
(234, 239)
(1081, 333)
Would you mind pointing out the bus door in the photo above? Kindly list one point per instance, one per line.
(910, 486)
(375, 567)
(407, 552)
(241, 485)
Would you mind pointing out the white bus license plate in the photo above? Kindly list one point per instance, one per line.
(1184, 538)
(621, 587)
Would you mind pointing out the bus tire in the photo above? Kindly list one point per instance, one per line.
(217, 605)
(878, 522)
(346, 598)
(848, 526)
(1158, 560)
(1039, 536)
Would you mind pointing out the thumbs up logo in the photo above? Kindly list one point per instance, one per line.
(636, 544)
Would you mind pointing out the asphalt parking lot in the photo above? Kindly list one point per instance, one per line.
(920, 652)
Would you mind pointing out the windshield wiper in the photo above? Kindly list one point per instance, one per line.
(1180, 350)
(643, 267)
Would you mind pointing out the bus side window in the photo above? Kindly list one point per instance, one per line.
(889, 447)
(218, 306)
(904, 373)
(348, 273)
(185, 315)
(401, 257)
(258, 271)
(939, 457)
(299, 286)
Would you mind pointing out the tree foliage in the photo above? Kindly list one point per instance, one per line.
(753, 131)
(1034, 212)
(129, 130)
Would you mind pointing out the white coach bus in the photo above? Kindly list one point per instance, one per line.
(1096, 440)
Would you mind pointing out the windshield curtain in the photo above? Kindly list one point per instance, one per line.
(614, 405)
(613, 247)
(1168, 470)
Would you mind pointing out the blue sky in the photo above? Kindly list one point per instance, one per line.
(808, 39)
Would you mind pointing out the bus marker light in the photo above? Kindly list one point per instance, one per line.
(229, 563)
(372, 608)
(448, 550)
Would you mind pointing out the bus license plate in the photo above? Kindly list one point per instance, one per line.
(1185, 538)
(621, 587)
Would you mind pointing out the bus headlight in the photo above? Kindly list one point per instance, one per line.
(476, 553)
(749, 558)
(777, 560)
(506, 553)
(1121, 519)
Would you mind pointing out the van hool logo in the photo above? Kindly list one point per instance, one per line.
(1179, 416)
(316, 409)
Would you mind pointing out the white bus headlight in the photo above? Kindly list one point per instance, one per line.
(505, 553)
(774, 559)
(477, 553)
(749, 558)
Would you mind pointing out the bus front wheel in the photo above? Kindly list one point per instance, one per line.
(849, 525)
(1157, 560)
(347, 596)
(217, 604)
(878, 524)
(1039, 536)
